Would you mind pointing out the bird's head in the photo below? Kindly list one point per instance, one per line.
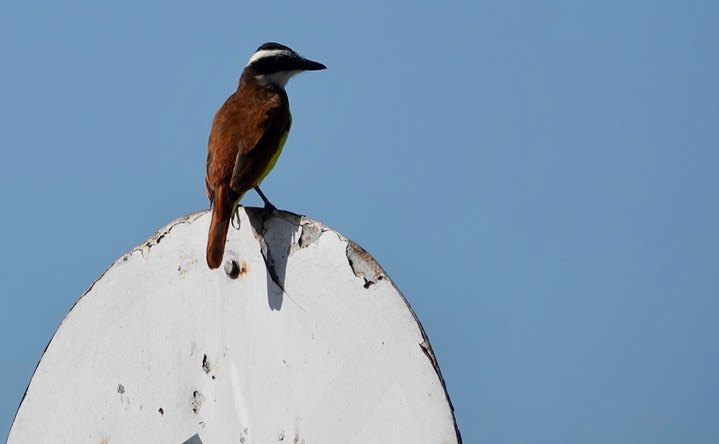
(274, 64)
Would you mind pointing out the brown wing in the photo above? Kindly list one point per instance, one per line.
(268, 125)
(223, 145)
(219, 147)
(245, 134)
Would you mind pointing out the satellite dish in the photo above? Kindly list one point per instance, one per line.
(301, 338)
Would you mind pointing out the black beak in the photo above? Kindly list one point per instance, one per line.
(309, 65)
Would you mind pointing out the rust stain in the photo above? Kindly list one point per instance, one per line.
(363, 265)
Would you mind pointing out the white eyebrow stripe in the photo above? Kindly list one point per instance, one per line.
(268, 53)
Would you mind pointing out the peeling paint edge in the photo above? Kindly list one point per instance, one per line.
(427, 349)
(311, 230)
(155, 239)
(363, 265)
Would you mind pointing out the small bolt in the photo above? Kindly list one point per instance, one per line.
(232, 269)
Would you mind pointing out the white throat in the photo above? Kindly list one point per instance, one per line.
(276, 79)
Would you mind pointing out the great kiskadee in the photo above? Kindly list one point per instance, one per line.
(247, 136)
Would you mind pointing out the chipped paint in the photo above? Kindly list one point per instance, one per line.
(206, 364)
(310, 232)
(197, 400)
(363, 265)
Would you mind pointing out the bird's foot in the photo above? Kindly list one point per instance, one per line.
(270, 208)
(268, 205)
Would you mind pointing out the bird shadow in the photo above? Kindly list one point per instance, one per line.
(275, 231)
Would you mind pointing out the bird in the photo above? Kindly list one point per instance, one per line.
(247, 136)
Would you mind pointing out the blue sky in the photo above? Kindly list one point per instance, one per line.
(540, 179)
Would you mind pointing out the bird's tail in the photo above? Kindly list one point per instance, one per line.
(221, 215)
